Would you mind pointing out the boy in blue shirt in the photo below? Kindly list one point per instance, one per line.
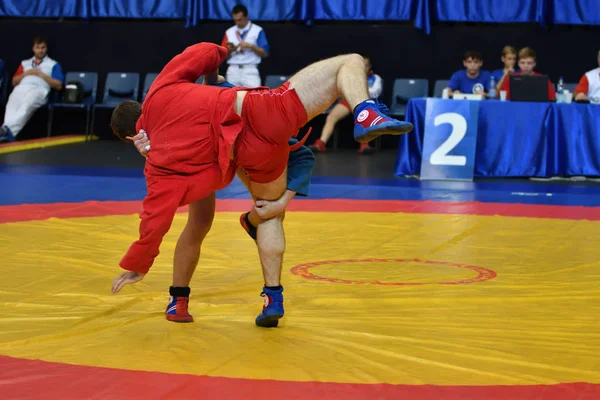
(472, 79)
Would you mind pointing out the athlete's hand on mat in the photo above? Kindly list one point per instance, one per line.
(141, 142)
(125, 278)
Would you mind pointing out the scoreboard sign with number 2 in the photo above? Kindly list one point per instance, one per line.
(450, 138)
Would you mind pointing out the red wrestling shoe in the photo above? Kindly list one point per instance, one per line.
(318, 146)
(365, 149)
(248, 227)
(177, 309)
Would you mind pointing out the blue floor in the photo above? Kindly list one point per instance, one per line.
(40, 184)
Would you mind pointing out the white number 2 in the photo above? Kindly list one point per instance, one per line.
(459, 129)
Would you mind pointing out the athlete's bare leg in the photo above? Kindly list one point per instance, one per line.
(270, 234)
(337, 113)
(187, 251)
(321, 83)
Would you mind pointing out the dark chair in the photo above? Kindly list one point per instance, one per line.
(119, 87)
(439, 87)
(404, 90)
(274, 81)
(5, 82)
(148, 80)
(570, 87)
(89, 81)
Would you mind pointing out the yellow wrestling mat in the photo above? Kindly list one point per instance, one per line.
(470, 300)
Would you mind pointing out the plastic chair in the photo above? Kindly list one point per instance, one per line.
(148, 80)
(404, 90)
(570, 87)
(439, 87)
(89, 81)
(119, 87)
(4, 84)
(274, 81)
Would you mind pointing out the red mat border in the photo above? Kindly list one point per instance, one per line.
(26, 379)
(32, 212)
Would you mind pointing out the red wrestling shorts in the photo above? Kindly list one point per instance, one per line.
(271, 118)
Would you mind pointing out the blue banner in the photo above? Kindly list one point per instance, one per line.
(258, 10)
(576, 12)
(422, 12)
(161, 9)
(44, 8)
(373, 10)
(489, 10)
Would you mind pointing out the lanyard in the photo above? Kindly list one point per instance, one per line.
(242, 36)
(34, 65)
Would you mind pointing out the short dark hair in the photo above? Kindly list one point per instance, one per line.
(39, 40)
(124, 118)
(240, 8)
(475, 55)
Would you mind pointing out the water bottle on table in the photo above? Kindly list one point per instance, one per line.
(560, 91)
(492, 91)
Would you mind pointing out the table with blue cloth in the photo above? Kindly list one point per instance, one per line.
(518, 139)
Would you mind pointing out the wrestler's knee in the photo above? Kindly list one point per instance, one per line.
(280, 217)
(355, 58)
(200, 231)
(270, 191)
(200, 218)
(196, 233)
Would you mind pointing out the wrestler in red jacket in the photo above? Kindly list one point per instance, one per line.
(197, 132)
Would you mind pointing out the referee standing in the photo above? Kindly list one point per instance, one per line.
(247, 45)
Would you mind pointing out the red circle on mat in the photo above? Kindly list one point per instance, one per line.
(303, 270)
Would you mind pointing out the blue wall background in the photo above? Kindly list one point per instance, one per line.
(421, 12)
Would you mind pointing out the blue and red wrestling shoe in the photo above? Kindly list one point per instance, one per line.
(370, 122)
(248, 227)
(177, 310)
(272, 311)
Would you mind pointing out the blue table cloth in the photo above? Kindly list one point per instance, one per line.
(517, 139)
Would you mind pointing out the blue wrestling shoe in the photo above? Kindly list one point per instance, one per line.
(6, 135)
(273, 309)
(177, 309)
(370, 122)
